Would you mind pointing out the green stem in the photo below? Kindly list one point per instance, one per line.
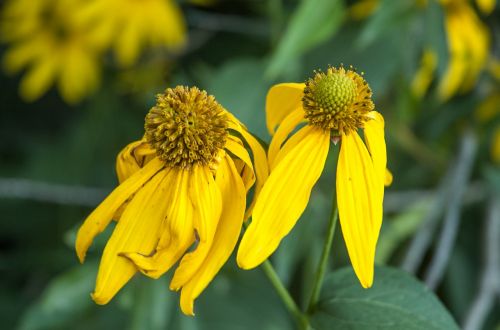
(285, 295)
(327, 246)
(320, 273)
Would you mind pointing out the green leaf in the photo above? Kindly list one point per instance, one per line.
(396, 301)
(313, 22)
(153, 304)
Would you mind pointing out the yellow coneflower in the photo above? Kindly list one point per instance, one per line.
(183, 186)
(334, 105)
(129, 26)
(45, 40)
(468, 45)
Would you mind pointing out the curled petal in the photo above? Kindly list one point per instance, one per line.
(177, 230)
(132, 158)
(281, 100)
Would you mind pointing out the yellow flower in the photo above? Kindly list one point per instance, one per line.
(363, 8)
(334, 105)
(45, 40)
(129, 26)
(468, 45)
(182, 196)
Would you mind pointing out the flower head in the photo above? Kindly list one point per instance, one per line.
(332, 105)
(182, 197)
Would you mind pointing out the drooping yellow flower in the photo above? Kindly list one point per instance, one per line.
(130, 26)
(468, 45)
(333, 105)
(363, 8)
(423, 77)
(46, 41)
(182, 196)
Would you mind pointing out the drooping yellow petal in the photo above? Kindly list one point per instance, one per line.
(284, 197)
(39, 78)
(177, 230)
(207, 202)
(457, 64)
(242, 161)
(375, 141)
(286, 127)
(486, 6)
(360, 205)
(289, 146)
(227, 234)
(388, 178)
(132, 158)
(423, 77)
(280, 101)
(137, 231)
(98, 220)
(476, 36)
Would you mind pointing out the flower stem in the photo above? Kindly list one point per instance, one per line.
(320, 273)
(285, 295)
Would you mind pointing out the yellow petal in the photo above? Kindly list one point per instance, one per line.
(289, 146)
(360, 205)
(286, 127)
(486, 6)
(97, 221)
(425, 73)
(39, 78)
(388, 178)
(137, 231)
(226, 236)
(280, 101)
(132, 158)
(260, 163)
(375, 141)
(457, 64)
(283, 198)
(177, 230)
(207, 202)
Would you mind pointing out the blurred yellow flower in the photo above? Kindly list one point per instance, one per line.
(334, 105)
(129, 26)
(183, 186)
(423, 77)
(489, 111)
(363, 8)
(46, 41)
(468, 45)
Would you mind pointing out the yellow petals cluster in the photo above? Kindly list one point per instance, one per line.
(167, 212)
(468, 45)
(62, 42)
(468, 41)
(130, 26)
(297, 156)
(48, 43)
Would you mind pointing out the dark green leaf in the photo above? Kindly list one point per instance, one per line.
(396, 301)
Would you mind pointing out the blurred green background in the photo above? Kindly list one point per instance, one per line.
(62, 123)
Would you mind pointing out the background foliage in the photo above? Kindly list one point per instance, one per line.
(441, 213)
